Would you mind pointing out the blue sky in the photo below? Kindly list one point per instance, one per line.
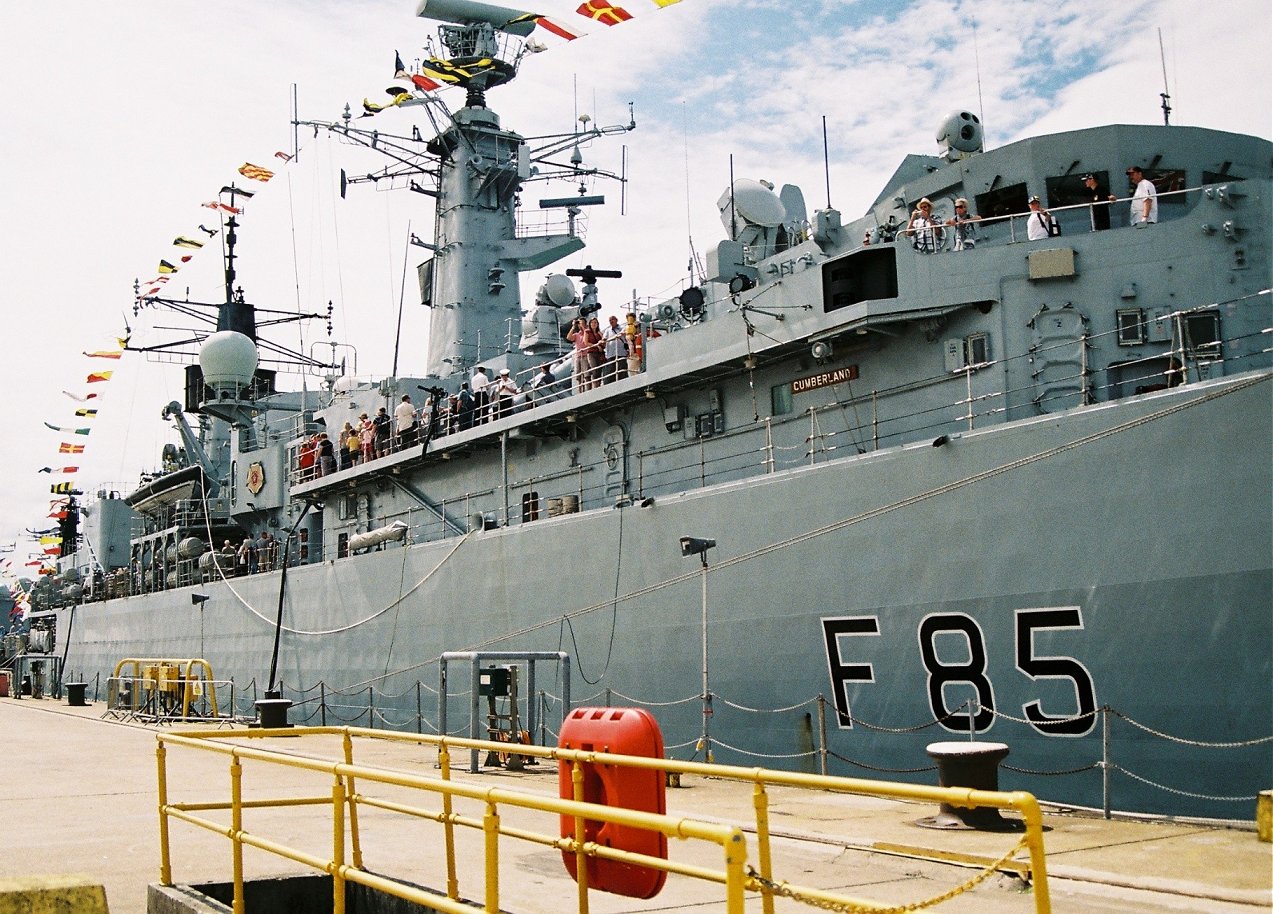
(121, 119)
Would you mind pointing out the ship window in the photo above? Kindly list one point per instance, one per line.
(977, 348)
(1069, 190)
(1216, 177)
(348, 507)
(342, 546)
(1202, 335)
(865, 275)
(780, 399)
(1131, 326)
(1166, 181)
(530, 506)
(1002, 201)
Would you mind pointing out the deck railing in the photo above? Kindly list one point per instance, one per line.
(356, 786)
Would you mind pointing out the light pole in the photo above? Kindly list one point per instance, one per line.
(691, 545)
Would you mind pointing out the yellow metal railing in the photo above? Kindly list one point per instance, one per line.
(167, 687)
(349, 793)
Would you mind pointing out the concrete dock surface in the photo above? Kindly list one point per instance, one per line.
(79, 795)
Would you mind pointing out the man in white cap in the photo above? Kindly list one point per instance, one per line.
(964, 228)
(505, 390)
(1039, 224)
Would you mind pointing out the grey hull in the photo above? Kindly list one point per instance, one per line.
(1142, 526)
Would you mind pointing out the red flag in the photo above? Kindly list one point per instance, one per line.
(559, 30)
(225, 208)
(99, 376)
(423, 82)
(603, 12)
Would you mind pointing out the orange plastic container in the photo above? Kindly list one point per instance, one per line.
(621, 731)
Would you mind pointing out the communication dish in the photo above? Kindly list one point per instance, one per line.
(758, 204)
(469, 12)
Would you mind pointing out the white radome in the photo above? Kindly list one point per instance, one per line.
(228, 359)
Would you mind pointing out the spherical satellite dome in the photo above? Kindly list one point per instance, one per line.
(961, 130)
(228, 359)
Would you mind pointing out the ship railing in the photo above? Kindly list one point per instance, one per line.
(538, 223)
(1072, 219)
(456, 803)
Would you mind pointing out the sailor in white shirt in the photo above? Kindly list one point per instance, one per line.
(1144, 198)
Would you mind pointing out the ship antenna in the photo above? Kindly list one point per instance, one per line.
(826, 160)
(733, 226)
(976, 56)
(1166, 99)
(402, 295)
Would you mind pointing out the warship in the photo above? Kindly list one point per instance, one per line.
(933, 472)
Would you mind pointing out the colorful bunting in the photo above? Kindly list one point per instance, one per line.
(67, 448)
(603, 12)
(67, 431)
(166, 267)
(97, 376)
(59, 470)
(62, 488)
(245, 194)
(221, 207)
(84, 399)
(86, 413)
(105, 354)
(182, 241)
(255, 172)
(283, 155)
(207, 231)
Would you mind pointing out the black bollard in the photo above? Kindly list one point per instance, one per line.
(975, 766)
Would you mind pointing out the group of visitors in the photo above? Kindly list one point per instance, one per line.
(606, 354)
(927, 231)
(253, 555)
(602, 355)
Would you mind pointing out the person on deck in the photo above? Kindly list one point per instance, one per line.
(1144, 197)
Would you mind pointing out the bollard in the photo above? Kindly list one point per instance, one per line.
(973, 765)
(272, 713)
(75, 694)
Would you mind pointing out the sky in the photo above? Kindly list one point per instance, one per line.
(121, 119)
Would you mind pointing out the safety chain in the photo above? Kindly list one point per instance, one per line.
(783, 889)
(1183, 793)
(725, 745)
(1192, 742)
(876, 768)
(795, 707)
(1030, 723)
(657, 704)
(1047, 774)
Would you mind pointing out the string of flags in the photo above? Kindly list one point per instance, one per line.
(435, 73)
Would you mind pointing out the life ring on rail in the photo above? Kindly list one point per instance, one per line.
(620, 731)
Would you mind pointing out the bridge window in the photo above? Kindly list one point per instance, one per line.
(1002, 201)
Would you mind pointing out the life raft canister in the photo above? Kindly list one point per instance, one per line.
(621, 731)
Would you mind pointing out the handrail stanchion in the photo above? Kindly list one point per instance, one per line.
(165, 858)
(760, 800)
(355, 842)
(236, 830)
(822, 734)
(490, 827)
(339, 795)
(735, 858)
(581, 859)
(1105, 765)
(448, 826)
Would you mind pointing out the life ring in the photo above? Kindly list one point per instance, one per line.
(620, 731)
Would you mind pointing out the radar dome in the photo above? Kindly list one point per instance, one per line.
(228, 360)
(559, 290)
(961, 131)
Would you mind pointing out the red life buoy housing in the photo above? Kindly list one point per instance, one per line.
(621, 731)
